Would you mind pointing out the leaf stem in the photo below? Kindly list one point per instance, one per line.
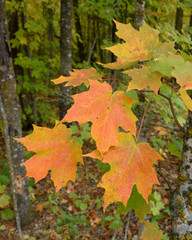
(115, 79)
(172, 109)
(78, 132)
(142, 121)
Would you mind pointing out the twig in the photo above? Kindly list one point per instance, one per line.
(78, 132)
(116, 4)
(172, 109)
(93, 45)
(164, 126)
(160, 173)
(127, 225)
(142, 121)
(114, 79)
(114, 235)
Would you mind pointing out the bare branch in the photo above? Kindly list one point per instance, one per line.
(172, 109)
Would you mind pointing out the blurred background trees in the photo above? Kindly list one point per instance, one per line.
(35, 29)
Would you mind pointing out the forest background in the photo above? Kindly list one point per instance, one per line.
(41, 52)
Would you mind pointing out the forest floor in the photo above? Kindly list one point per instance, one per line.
(76, 212)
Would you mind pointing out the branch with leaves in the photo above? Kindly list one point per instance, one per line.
(132, 173)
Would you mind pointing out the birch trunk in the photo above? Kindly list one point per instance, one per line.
(181, 201)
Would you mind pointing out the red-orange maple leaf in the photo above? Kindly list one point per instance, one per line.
(77, 77)
(107, 111)
(56, 151)
(131, 164)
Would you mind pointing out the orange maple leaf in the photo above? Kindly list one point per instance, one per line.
(140, 46)
(77, 77)
(56, 151)
(141, 78)
(131, 164)
(106, 110)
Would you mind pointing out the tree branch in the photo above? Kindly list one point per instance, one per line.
(172, 110)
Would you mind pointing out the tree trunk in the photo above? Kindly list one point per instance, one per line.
(12, 122)
(179, 19)
(65, 54)
(181, 201)
(139, 13)
(179, 22)
(190, 25)
(18, 70)
(80, 44)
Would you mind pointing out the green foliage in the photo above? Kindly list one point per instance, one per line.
(7, 214)
(175, 146)
(116, 223)
(84, 134)
(71, 221)
(155, 203)
(99, 202)
(73, 195)
(4, 198)
(59, 229)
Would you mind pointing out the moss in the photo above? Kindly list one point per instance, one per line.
(187, 166)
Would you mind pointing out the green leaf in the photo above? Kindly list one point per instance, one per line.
(2, 227)
(155, 208)
(73, 195)
(86, 197)
(74, 129)
(178, 143)
(78, 203)
(2, 188)
(59, 222)
(83, 206)
(4, 179)
(108, 218)
(116, 224)
(4, 200)
(175, 147)
(59, 229)
(156, 203)
(138, 203)
(31, 238)
(7, 214)
(133, 94)
(99, 202)
(157, 196)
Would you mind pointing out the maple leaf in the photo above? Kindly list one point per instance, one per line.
(55, 150)
(138, 203)
(182, 71)
(106, 110)
(131, 164)
(77, 77)
(186, 99)
(152, 232)
(141, 78)
(139, 45)
(165, 49)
